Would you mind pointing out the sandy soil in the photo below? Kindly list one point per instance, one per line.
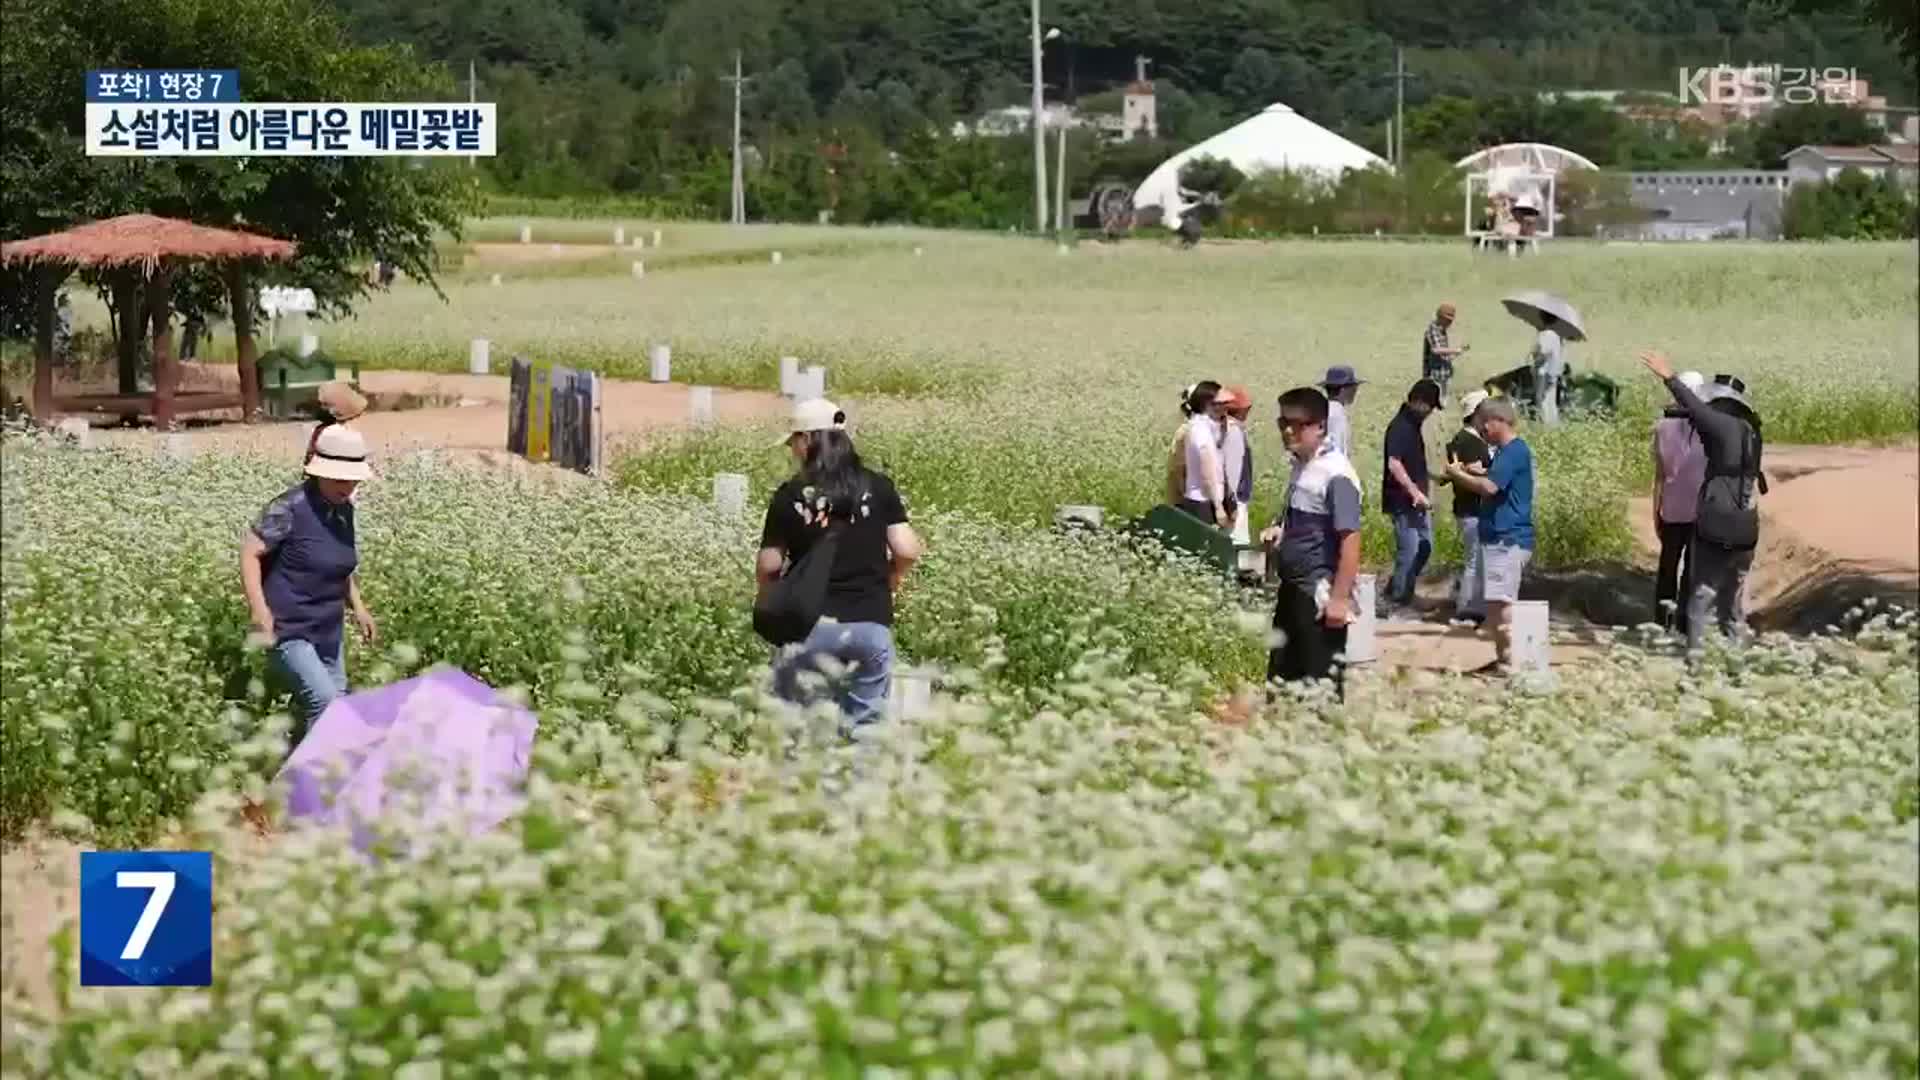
(1839, 524)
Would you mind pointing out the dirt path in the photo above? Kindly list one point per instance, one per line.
(1841, 524)
(478, 422)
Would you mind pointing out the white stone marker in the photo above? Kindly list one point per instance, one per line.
(919, 251)
(478, 362)
(1062, 249)
(1079, 513)
(730, 492)
(911, 695)
(776, 258)
(619, 235)
(1531, 650)
(639, 269)
(789, 375)
(1362, 646)
(639, 242)
(660, 363)
(813, 383)
(700, 405)
(496, 281)
(526, 234)
(309, 344)
(77, 429)
(656, 238)
(177, 446)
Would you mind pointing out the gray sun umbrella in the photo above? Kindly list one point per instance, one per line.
(1532, 306)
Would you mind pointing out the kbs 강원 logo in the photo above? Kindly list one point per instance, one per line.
(146, 918)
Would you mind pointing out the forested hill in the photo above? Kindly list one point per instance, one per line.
(610, 95)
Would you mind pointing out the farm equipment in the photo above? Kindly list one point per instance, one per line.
(290, 383)
(1579, 394)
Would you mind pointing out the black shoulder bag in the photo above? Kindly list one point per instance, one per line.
(794, 604)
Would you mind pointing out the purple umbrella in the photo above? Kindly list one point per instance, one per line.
(439, 748)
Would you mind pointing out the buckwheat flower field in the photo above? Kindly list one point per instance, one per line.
(1067, 869)
(1076, 864)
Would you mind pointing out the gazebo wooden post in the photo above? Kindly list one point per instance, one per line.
(131, 314)
(165, 376)
(239, 280)
(47, 279)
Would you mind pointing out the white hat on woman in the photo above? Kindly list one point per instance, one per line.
(340, 454)
(1470, 401)
(815, 414)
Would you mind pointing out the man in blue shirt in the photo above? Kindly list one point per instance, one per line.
(1506, 517)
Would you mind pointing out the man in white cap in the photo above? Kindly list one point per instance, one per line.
(1679, 469)
(1467, 448)
(298, 565)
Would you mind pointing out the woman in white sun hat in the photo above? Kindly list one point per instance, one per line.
(298, 563)
(870, 559)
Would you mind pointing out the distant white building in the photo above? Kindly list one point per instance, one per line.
(1272, 140)
(1018, 120)
(1821, 163)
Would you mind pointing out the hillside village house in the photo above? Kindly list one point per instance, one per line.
(1901, 161)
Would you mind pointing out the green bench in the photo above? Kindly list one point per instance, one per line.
(290, 384)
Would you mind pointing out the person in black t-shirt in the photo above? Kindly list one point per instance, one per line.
(1403, 491)
(1468, 448)
(855, 631)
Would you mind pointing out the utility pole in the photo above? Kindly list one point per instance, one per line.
(1060, 185)
(738, 210)
(1399, 106)
(471, 92)
(1039, 136)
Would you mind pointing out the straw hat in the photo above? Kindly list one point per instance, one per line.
(342, 401)
(1471, 400)
(340, 453)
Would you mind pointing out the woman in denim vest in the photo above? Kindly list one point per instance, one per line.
(297, 564)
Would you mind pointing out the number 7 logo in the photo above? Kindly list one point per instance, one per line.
(161, 882)
(146, 918)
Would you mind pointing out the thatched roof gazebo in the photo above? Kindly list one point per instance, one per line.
(149, 248)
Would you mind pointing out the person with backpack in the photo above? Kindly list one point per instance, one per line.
(1726, 526)
(834, 549)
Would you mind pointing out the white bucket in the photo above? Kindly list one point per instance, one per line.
(1531, 650)
(700, 405)
(1362, 645)
(78, 430)
(619, 235)
(526, 234)
(789, 375)
(477, 359)
(496, 281)
(730, 493)
(776, 258)
(660, 363)
(639, 269)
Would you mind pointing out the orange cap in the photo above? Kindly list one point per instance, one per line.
(1235, 398)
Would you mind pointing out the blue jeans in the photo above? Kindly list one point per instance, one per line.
(1470, 593)
(1412, 545)
(315, 681)
(860, 655)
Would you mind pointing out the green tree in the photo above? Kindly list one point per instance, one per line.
(1817, 124)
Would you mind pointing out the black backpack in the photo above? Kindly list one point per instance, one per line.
(1729, 515)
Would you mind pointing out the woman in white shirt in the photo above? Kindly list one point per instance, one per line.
(1205, 494)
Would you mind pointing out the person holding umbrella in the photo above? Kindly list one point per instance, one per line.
(1726, 527)
(1342, 386)
(1557, 323)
